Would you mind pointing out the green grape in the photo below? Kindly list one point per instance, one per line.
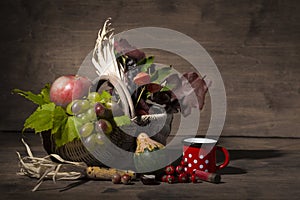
(79, 106)
(86, 129)
(82, 118)
(69, 106)
(91, 114)
(78, 122)
(93, 140)
(90, 142)
(99, 138)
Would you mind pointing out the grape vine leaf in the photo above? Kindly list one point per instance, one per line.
(168, 87)
(59, 119)
(45, 93)
(48, 106)
(68, 133)
(40, 99)
(146, 63)
(105, 97)
(160, 74)
(41, 119)
(122, 120)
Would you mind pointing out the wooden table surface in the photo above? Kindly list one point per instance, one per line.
(260, 168)
(255, 45)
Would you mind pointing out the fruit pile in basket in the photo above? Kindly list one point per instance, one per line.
(69, 110)
(131, 89)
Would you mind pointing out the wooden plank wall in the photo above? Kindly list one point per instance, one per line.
(255, 44)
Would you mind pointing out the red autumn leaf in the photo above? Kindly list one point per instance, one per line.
(153, 87)
(123, 47)
(199, 86)
(141, 78)
(190, 90)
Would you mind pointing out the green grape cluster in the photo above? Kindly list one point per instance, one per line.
(93, 117)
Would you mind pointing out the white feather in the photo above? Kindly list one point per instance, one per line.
(104, 58)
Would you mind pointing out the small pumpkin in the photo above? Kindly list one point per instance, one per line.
(147, 158)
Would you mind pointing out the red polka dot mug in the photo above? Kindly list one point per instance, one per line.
(200, 154)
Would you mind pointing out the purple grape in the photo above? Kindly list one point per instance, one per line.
(99, 109)
(103, 126)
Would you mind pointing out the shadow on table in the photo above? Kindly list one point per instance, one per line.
(245, 154)
(232, 170)
(253, 154)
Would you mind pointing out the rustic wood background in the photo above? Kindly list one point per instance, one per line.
(255, 44)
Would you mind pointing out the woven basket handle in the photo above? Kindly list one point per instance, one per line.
(145, 119)
(127, 101)
(122, 91)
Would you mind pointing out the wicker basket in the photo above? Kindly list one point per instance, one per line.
(76, 151)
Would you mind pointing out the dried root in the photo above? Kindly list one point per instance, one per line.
(44, 168)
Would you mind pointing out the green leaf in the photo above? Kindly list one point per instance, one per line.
(68, 134)
(146, 63)
(48, 106)
(122, 120)
(105, 97)
(37, 99)
(160, 75)
(45, 92)
(59, 119)
(164, 89)
(41, 119)
(40, 99)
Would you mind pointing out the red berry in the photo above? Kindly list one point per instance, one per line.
(183, 178)
(164, 178)
(179, 169)
(126, 179)
(116, 179)
(170, 170)
(195, 179)
(170, 179)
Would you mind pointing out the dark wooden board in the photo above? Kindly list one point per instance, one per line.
(259, 169)
(255, 44)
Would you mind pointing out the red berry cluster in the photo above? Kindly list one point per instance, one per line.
(178, 175)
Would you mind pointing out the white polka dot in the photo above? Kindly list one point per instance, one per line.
(189, 165)
(206, 161)
(190, 155)
(195, 161)
(183, 153)
(185, 169)
(185, 159)
(206, 170)
(201, 166)
(201, 156)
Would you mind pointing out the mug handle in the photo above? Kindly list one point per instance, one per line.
(227, 157)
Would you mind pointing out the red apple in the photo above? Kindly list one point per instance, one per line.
(67, 88)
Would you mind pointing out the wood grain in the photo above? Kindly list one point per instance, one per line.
(259, 169)
(255, 44)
